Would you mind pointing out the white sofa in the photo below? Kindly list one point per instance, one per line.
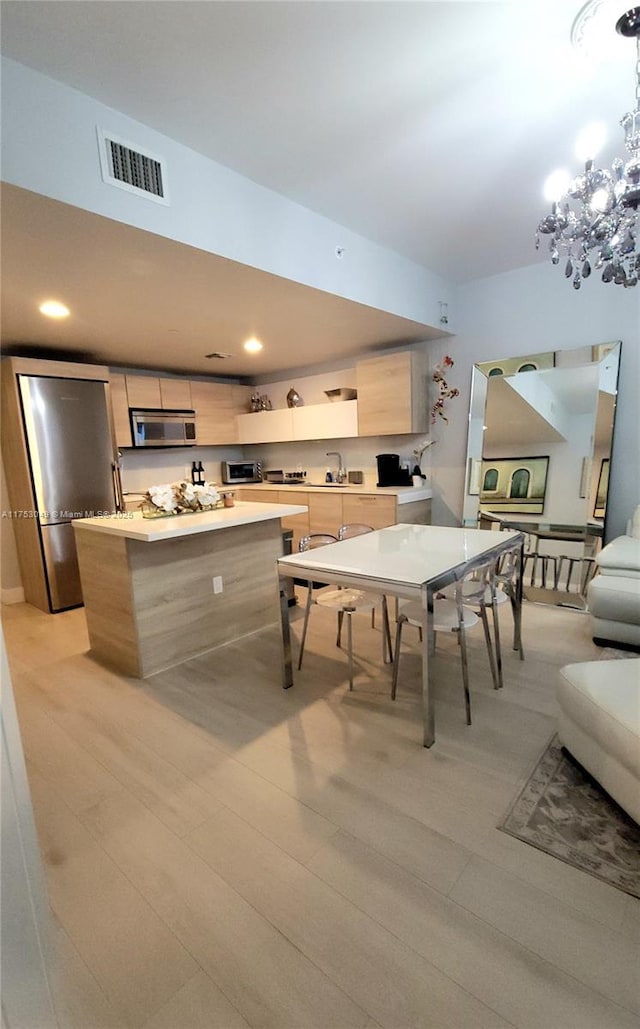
(613, 596)
(599, 724)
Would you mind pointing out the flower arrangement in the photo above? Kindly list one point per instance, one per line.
(180, 497)
(445, 392)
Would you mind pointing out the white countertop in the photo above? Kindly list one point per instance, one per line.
(405, 494)
(401, 555)
(148, 530)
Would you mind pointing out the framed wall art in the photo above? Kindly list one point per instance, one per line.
(514, 485)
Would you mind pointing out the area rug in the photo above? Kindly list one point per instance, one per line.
(564, 812)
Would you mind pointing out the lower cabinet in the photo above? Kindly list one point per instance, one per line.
(378, 512)
(325, 512)
(328, 510)
(299, 524)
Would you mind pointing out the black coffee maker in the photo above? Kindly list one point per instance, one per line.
(389, 471)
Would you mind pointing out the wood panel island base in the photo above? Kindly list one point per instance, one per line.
(148, 584)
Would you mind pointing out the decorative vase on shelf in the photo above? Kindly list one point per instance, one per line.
(294, 399)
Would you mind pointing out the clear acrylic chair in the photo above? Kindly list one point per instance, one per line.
(346, 532)
(455, 615)
(344, 601)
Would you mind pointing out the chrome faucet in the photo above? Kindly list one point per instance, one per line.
(342, 471)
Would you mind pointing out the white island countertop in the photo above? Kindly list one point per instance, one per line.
(148, 530)
(404, 494)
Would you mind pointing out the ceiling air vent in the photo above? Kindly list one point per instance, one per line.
(124, 166)
(218, 355)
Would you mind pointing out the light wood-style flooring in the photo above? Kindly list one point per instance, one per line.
(220, 853)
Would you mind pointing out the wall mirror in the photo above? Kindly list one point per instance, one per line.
(539, 447)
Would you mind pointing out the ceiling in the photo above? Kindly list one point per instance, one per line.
(428, 127)
(143, 300)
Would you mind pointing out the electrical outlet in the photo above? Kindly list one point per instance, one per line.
(217, 584)
(187, 472)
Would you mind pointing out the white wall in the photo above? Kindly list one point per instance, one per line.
(528, 311)
(143, 468)
(49, 145)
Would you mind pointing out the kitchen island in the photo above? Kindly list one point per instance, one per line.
(158, 591)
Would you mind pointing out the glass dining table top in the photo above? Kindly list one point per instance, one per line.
(403, 560)
(402, 555)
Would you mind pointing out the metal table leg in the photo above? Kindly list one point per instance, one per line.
(287, 667)
(428, 699)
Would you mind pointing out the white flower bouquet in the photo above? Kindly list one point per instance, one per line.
(179, 498)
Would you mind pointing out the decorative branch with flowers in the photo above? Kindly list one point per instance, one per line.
(179, 497)
(445, 391)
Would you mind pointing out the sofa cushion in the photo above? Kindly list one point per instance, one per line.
(615, 597)
(603, 699)
(622, 553)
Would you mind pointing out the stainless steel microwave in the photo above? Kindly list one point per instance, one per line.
(241, 471)
(163, 428)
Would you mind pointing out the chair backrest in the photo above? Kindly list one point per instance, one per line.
(482, 576)
(316, 539)
(508, 567)
(345, 532)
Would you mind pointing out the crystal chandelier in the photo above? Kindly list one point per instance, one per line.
(594, 217)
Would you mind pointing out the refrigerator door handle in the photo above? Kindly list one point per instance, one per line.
(117, 486)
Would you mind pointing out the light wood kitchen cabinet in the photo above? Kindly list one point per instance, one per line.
(214, 404)
(143, 391)
(120, 410)
(253, 496)
(378, 512)
(241, 396)
(175, 394)
(331, 508)
(299, 524)
(392, 394)
(325, 511)
(150, 391)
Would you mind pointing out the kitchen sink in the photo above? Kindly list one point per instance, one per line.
(328, 485)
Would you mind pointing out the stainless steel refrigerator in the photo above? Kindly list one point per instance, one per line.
(74, 470)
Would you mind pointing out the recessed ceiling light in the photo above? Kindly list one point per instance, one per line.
(54, 309)
(253, 345)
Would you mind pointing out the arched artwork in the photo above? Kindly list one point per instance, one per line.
(514, 484)
(519, 488)
(490, 481)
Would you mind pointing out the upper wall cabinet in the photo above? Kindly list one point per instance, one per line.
(175, 394)
(326, 421)
(149, 391)
(216, 405)
(317, 421)
(143, 391)
(266, 426)
(120, 409)
(392, 394)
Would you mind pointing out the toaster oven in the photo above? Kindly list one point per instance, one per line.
(241, 471)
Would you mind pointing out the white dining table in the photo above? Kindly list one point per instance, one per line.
(407, 561)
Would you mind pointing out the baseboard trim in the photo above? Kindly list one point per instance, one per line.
(15, 595)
